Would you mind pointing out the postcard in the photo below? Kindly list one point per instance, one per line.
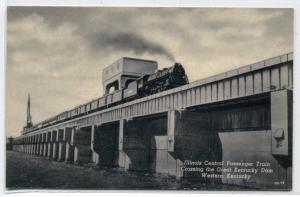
(149, 98)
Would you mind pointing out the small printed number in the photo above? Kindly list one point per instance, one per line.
(279, 183)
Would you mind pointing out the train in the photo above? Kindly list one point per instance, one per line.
(146, 85)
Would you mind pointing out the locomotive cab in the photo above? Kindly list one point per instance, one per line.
(131, 90)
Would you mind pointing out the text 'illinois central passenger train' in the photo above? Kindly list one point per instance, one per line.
(146, 85)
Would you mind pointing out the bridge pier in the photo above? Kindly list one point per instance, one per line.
(82, 143)
(29, 145)
(45, 150)
(41, 149)
(61, 145)
(55, 151)
(44, 144)
(50, 145)
(190, 138)
(50, 149)
(32, 146)
(36, 144)
(24, 148)
(136, 146)
(69, 138)
(35, 147)
(105, 140)
(40, 143)
(121, 154)
(27, 148)
(55, 144)
(25, 145)
(144, 144)
(95, 155)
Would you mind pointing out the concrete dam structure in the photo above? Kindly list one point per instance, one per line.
(234, 128)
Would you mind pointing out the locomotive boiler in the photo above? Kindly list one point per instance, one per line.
(159, 81)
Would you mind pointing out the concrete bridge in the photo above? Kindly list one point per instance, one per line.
(243, 115)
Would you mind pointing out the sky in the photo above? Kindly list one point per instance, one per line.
(57, 53)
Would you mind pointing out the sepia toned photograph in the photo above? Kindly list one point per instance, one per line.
(149, 98)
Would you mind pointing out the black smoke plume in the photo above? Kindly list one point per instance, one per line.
(130, 42)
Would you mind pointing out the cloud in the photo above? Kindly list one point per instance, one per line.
(47, 62)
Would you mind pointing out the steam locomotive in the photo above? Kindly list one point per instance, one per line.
(146, 85)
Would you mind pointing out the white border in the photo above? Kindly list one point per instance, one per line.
(155, 3)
